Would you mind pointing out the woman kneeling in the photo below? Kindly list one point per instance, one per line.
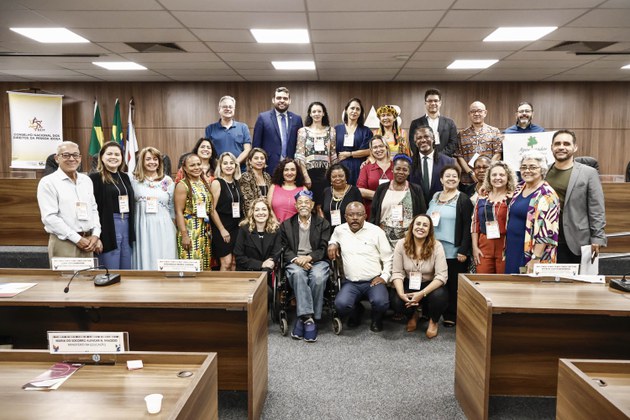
(419, 274)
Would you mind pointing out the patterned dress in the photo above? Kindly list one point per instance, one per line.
(198, 228)
(317, 152)
(391, 223)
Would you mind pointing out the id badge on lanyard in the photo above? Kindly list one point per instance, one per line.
(123, 203)
(236, 210)
(335, 217)
(415, 280)
(319, 145)
(201, 210)
(152, 205)
(82, 210)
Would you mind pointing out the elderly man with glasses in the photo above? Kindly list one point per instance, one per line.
(68, 208)
(479, 139)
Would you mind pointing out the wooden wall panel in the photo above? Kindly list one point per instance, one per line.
(171, 116)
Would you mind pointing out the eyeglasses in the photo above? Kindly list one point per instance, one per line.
(67, 156)
(531, 168)
(477, 111)
(227, 107)
(432, 101)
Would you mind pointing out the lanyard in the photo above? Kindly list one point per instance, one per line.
(123, 184)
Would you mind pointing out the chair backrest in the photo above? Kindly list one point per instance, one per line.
(588, 160)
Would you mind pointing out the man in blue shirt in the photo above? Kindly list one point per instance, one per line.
(229, 135)
(524, 115)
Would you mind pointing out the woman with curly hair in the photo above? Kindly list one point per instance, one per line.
(287, 181)
(193, 206)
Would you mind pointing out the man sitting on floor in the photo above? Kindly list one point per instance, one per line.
(367, 263)
(304, 239)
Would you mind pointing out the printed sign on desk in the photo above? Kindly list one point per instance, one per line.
(185, 266)
(97, 342)
(73, 264)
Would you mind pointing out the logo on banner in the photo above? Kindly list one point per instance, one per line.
(35, 124)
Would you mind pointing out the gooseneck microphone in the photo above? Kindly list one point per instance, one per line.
(99, 280)
(621, 284)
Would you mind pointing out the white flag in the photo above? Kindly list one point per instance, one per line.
(132, 143)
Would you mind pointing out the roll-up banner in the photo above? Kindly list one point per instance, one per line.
(36, 128)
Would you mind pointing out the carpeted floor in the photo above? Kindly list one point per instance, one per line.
(364, 375)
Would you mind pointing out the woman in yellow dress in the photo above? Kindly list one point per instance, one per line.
(193, 206)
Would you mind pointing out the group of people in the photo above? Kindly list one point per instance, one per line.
(404, 216)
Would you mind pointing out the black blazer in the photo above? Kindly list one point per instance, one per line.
(446, 129)
(440, 160)
(319, 236)
(106, 211)
(251, 251)
(419, 205)
(462, 224)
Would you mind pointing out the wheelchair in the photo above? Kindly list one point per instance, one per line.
(282, 295)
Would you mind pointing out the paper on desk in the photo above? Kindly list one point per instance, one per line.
(585, 264)
(52, 378)
(8, 290)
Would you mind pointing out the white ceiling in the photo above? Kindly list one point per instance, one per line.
(366, 40)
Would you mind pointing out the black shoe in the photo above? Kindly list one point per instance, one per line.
(377, 326)
(354, 320)
(448, 323)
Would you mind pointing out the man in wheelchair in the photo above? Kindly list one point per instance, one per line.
(305, 238)
(366, 258)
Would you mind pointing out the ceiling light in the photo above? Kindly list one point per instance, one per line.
(626, 67)
(119, 65)
(293, 65)
(281, 36)
(525, 33)
(50, 35)
(471, 64)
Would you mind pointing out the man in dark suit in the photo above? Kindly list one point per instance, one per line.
(427, 161)
(276, 130)
(582, 212)
(443, 127)
(305, 239)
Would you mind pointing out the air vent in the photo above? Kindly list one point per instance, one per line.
(580, 46)
(155, 47)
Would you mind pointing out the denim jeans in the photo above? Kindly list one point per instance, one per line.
(309, 286)
(120, 257)
(352, 291)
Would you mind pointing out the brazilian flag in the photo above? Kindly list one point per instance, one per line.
(117, 127)
(97, 138)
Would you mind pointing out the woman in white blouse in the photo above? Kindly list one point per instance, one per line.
(419, 274)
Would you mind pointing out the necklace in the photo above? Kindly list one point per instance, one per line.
(337, 197)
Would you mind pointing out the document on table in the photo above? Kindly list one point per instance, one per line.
(53, 377)
(8, 290)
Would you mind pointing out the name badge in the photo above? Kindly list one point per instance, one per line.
(152, 205)
(382, 181)
(397, 213)
(82, 210)
(319, 145)
(348, 140)
(236, 210)
(492, 230)
(201, 210)
(335, 217)
(123, 203)
(435, 218)
(415, 280)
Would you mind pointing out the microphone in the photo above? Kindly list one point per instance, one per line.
(621, 284)
(99, 280)
(67, 289)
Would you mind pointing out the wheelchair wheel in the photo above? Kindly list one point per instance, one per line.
(337, 325)
(284, 326)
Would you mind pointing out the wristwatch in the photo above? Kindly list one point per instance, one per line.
(535, 257)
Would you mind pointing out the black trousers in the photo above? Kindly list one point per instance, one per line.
(565, 256)
(433, 305)
(454, 268)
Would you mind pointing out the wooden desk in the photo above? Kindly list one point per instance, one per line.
(582, 397)
(111, 391)
(511, 331)
(219, 312)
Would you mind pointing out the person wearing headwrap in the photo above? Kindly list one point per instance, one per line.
(395, 137)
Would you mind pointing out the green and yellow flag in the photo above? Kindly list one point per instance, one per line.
(117, 127)
(97, 138)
